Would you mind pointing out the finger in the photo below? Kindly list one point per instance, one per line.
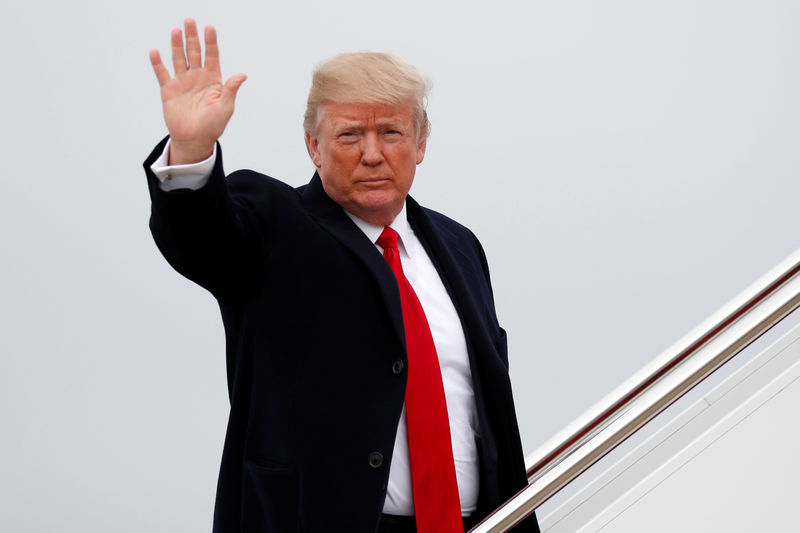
(178, 57)
(232, 87)
(158, 67)
(212, 50)
(192, 44)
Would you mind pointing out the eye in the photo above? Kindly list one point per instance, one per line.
(348, 137)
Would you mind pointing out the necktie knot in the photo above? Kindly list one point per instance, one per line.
(388, 239)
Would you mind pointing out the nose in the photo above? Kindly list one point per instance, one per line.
(371, 152)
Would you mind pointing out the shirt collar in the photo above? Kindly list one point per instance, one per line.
(399, 224)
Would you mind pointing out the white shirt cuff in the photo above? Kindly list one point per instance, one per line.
(193, 176)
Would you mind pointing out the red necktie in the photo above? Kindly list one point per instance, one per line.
(433, 473)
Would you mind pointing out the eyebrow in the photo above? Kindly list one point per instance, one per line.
(394, 123)
(348, 125)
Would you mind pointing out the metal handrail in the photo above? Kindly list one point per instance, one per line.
(651, 390)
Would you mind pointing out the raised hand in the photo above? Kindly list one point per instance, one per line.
(197, 105)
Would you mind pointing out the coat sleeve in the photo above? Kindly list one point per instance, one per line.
(214, 236)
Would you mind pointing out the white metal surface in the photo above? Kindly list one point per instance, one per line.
(653, 389)
(670, 469)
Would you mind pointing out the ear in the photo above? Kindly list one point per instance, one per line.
(312, 145)
(421, 150)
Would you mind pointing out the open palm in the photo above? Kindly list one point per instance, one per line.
(197, 104)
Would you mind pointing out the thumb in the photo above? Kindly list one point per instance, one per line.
(231, 87)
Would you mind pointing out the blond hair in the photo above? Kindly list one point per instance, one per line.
(370, 78)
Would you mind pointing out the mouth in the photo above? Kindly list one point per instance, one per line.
(373, 181)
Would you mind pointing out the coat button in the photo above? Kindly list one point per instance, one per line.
(375, 459)
(398, 366)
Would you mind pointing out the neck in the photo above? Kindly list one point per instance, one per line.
(383, 218)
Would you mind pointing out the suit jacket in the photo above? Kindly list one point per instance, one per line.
(313, 328)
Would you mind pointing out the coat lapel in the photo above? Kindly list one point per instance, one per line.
(333, 219)
(452, 264)
(459, 273)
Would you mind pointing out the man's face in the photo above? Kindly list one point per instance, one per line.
(366, 156)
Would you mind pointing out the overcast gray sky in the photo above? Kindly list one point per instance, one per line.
(629, 167)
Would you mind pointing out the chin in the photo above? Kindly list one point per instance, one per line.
(379, 201)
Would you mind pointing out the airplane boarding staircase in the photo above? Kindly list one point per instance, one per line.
(705, 438)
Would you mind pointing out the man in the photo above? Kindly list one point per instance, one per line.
(367, 373)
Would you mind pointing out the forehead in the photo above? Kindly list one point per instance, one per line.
(334, 113)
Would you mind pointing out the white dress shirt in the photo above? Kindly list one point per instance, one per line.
(448, 338)
(451, 348)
